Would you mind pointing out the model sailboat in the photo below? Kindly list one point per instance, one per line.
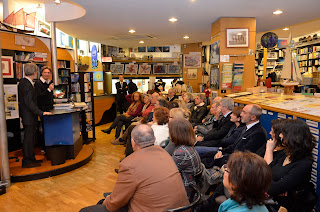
(290, 73)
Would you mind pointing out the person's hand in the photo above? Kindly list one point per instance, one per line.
(218, 155)
(51, 86)
(195, 128)
(47, 113)
(203, 120)
(271, 144)
(199, 138)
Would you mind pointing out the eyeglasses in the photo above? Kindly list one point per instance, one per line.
(225, 168)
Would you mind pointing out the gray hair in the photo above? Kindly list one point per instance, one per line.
(227, 102)
(143, 135)
(256, 110)
(172, 90)
(30, 68)
(202, 96)
(189, 96)
(217, 103)
(149, 96)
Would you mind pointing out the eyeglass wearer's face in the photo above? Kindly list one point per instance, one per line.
(226, 181)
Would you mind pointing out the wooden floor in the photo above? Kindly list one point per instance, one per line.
(70, 191)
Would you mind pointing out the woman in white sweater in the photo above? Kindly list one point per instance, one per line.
(160, 124)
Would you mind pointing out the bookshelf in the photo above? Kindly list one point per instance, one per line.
(82, 91)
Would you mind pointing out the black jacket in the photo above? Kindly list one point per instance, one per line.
(121, 92)
(198, 114)
(44, 97)
(27, 96)
(224, 125)
(132, 87)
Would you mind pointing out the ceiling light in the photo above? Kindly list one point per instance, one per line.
(285, 28)
(39, 6)
(141, 41)
(278, 12)
(57, 1)
(132, 31)
(173, 19)
(186, 37)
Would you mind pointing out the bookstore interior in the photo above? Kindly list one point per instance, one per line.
(271, 59)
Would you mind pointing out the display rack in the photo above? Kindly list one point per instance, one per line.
(82, 91)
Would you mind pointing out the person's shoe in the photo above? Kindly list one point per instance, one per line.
(116, 171)
(31, 165)
(38, 161)
(117, 142)
(108, 131)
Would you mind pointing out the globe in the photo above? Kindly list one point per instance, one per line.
(269, 40)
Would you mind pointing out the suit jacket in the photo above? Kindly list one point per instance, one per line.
(27, 96)
(198, 114)
(173, 98)
(121, 92)
(224, 125)
(250, 140)
(44, 97)
(132, 87)
(148, 180)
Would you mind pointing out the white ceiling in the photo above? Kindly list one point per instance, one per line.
(106, 19)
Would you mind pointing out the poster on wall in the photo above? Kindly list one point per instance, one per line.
(11, 101)
(131, 68)
(192, 61)
(44, 28)
(98, 76)
(144, 69)
(91, 44)
(7, 66)
(237, 80)
(159, 69)
(214, 77)
(192, 74)
(226, 76)
(142, 49)
(94, 57)
(215, 52)
(117, 68)
(173, 69)
(237, 38)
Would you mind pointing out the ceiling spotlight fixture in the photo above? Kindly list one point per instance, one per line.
(278, 12)
(285, 28)
(57, 1)
(39, 6)
(186, 37)
(141, 41)
(173, 19)
(132, 31)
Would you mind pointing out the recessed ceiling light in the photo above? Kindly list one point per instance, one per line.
(173, 19)
(278, 12)
(186, 37)
(285, 28)
(132, 31)
(57, 1)
(141, 41)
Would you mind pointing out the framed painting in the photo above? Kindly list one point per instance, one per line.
(144, 69)
(116, 68)
(237, 38)
(192, 61)
(142, 49)
(173, 69)
(131, 68)
(192, 74)
(7, 66)
(159, 69)
(215, 52)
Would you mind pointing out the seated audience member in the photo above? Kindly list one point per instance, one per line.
(210, 121)
(230, 138)
(160, 102)
(188, 99)
(148, 179)
(275, 131)
(291, 172)
(181, 104)
(247, 178)
(199, 111)
(160, 124)
(252, 138)
(171, 95)
(184, 155)
(224, 125)
(125, 119)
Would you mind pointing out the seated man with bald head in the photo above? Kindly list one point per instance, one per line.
(148, 179)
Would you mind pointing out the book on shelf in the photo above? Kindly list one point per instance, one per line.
(86, 87)
(87, 97)
(75, 77)
(62, 64)
(86, 77)
(75, 87)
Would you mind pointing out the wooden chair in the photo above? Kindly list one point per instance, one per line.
(194, 199)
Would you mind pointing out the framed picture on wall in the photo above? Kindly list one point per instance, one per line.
(131, 68)
(215, 52)
(173, 69)
(192, 61)
(142, 49)
(192, 73)
(117, 68)
(159, 69)
(7, 66)
(144, 69)
(237, 38)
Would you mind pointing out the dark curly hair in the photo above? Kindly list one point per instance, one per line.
(298, 139)
(250, 177)
(277, 129)
(162, 115)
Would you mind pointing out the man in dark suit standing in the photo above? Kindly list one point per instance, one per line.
(122, 88)
(29, 113)
(44, 89)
